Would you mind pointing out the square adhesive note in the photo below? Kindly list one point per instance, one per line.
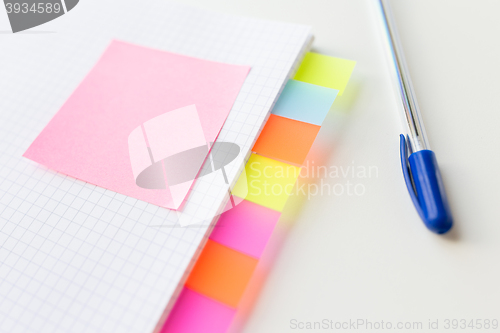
(141, 122)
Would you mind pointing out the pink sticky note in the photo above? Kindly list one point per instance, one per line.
(164, 155)
(246, 228)
(136, 109)
(195, 313)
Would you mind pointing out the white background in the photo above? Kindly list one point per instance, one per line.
(370, 256)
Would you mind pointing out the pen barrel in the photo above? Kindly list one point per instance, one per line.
(430, 191)
(411, 117)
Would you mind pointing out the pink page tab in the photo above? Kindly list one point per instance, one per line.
(195, 313)
(141, 110)
(246, 228)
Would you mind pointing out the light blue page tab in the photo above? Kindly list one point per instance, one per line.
(305, 102)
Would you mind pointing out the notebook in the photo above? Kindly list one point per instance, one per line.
(75, 257)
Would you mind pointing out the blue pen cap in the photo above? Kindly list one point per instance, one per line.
(423, 180)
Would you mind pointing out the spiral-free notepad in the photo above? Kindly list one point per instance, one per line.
(76, 257)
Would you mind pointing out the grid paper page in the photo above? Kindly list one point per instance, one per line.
(78, 258)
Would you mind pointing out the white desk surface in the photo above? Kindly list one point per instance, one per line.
(370, 257)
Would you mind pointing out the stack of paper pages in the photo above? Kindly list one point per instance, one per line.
(78, 257)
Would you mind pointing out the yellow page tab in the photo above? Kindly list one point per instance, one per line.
(325, 71)
(269, 182)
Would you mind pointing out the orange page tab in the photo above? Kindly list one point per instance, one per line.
(286, 139)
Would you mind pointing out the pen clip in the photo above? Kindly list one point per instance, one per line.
(408, 176)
